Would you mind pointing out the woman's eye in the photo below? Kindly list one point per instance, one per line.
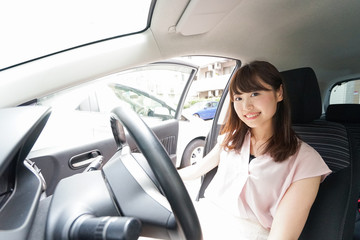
(237, 98)
(255, 94)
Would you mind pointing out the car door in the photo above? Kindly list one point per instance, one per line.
(79, 133)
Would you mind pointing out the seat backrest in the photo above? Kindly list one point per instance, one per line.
(333, 213)
(349, 116)
(343, 113)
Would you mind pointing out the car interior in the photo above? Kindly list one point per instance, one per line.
(125, 185)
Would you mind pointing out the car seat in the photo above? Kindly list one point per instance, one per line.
(333, 214)
(349, 116)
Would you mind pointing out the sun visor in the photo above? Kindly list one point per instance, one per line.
(200, 16)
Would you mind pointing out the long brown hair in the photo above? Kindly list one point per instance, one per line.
(248, 78)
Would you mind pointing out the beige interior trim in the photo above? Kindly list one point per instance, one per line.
(200, 16)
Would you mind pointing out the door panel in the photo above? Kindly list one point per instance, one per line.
(55, 162)
(168, 135)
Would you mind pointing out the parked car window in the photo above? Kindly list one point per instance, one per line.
(346, 92)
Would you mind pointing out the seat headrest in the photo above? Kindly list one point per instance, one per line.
(343, 113)
(304, 94)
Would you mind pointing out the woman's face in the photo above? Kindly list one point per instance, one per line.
(256, 109)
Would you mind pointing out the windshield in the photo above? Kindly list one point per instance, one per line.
(32, 29)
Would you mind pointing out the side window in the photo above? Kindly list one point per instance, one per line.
(81, 114)
(208, 86)
(346, 92)
(145, 105)
(153, 91)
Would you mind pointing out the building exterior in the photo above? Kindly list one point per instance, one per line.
(212, 78)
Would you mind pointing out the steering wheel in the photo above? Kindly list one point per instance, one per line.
(162, 167)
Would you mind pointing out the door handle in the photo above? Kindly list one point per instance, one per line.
(85, 159)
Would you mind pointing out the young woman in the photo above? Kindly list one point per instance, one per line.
(267, 178)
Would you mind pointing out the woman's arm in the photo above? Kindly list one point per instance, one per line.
(203, 166)
(294, 209)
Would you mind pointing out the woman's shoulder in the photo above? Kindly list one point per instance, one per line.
(308, 162)
(307, 150)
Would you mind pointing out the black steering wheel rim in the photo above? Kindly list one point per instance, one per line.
(165, 172)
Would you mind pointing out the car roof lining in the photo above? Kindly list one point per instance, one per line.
(263, 33)
(200, 16)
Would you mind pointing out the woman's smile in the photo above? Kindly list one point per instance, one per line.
(251, 116)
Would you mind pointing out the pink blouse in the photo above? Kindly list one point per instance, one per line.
(253, 190)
